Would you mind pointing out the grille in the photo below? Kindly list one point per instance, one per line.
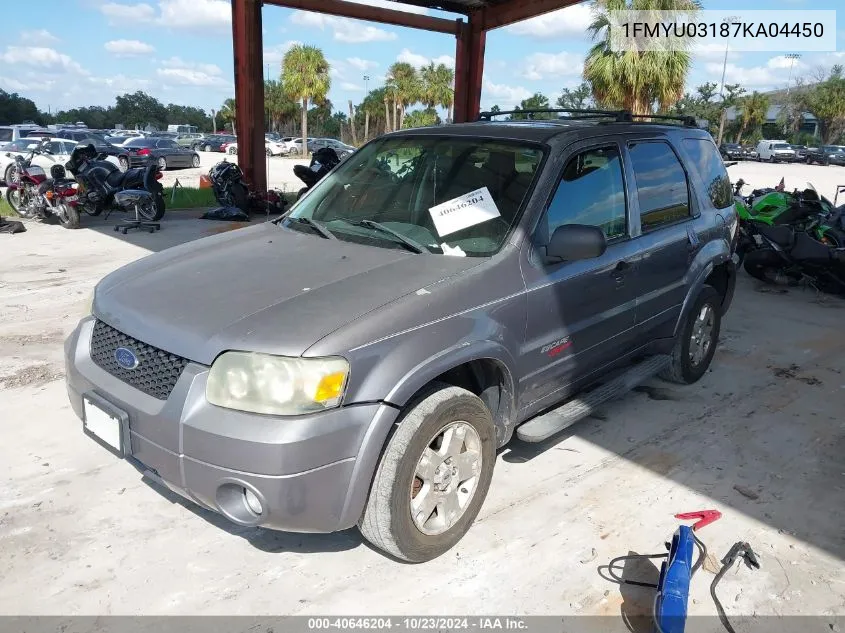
(157, 371)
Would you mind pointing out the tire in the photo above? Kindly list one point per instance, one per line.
(767, 266)
(437, 414)
(208, 148)
(268, 152)
(239, 195)
(195, 161)
(68, 215)
(155, 213)
(162, 163)
(809, 160)
(9, 176)
(14, 200)
(689, 364)
(231, 151)
(124, 163)
(772, 159)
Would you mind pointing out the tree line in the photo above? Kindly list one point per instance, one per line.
(133, 110)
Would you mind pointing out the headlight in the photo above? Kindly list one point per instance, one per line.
(276, 385)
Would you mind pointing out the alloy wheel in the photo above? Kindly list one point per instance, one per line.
(702, 334)
(446, 478)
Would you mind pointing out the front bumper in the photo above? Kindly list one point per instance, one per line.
(310, 473)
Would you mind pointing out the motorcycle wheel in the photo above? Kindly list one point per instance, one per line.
(766, 265)
(239, 196)
(68, 215)
(18, 203)
(11, 173)
(155, 213)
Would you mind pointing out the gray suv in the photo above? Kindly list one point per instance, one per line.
(436, 293)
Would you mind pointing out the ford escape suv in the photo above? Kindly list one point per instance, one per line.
(359, 360)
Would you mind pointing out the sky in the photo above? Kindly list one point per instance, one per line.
(85, 52)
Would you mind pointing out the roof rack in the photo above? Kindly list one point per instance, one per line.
(487, 116)
(621, 116)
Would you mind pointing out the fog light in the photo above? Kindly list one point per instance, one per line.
(252, 501)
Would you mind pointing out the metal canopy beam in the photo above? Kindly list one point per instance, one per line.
(249, 91)
(371, 14)
(498, 15)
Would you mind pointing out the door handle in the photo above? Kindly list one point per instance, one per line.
(622, 266)
(619, 272)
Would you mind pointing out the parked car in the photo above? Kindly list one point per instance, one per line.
(343, 150)
(188, 139)
(450, 300)
(826, 155)
(751, 152)
(10, 133)
(271, 148)
(775, 151)
(732, 151)
(800, 152)
(163, 150)
(213, 143)
(295, 143)
(53, 151)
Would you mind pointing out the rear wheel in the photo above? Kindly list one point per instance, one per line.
(208, 148)
(239, 196)
(124, 163)
(268, 152)
(195, 161)
(809, 160)
(433, 476)
(162, 163)
(68, 215)
(696, 342)
(834, 238)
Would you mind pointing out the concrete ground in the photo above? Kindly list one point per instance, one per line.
(761, 438)
(279, 171)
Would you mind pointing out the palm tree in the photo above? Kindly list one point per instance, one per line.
(438, 87)
(227, 113)
(279, 105)
(306, 77)
(754, 109)
(635, 80)
(373, 108)
(404, 85)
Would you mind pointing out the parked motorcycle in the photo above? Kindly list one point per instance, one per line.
(22, 193)
(99, 180)
(227, 183)
(59, 198)
(322, 162)
(788, 257)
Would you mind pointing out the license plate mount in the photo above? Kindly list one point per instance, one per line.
(105, 424)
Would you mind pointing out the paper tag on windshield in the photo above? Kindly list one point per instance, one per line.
(464, 211)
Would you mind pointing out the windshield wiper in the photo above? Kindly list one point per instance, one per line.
(407, 241)
(317, 226)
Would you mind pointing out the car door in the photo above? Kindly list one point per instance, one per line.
(665, 211)
(581, 314)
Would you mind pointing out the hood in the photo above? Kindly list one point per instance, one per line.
(265, 288)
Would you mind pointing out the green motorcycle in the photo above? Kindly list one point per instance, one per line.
(802, 210)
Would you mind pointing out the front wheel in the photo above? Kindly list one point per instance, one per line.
(433, 476)
(11, 174)
(208, 148)
(68, 215)
(195, 161)
(16, 201)
(696, 341)
(123, 162)
(162, 163)
(155, 212)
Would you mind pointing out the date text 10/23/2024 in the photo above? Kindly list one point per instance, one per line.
(422, 623)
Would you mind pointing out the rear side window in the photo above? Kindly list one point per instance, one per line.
(708, 166)
(662, 188)
(5, 134)
(592, 192)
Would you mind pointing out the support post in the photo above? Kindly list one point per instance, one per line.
(249, 91)
(469, 69)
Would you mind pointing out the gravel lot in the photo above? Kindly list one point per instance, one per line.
(761, 438)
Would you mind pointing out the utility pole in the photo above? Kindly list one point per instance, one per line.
(792, 57)
(732, 19)
(366, 85)
(214, 120)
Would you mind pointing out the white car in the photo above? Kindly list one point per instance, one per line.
(54, 151)
(272, 148)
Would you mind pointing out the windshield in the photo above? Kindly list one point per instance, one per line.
(455, 196)
(833, 148)
(780, 146)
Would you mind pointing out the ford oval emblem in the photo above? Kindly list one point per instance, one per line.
(126, 358)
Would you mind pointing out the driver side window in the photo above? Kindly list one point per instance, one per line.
(54, 147)
(592, 192)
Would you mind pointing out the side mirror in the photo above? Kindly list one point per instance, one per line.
(572, 242)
